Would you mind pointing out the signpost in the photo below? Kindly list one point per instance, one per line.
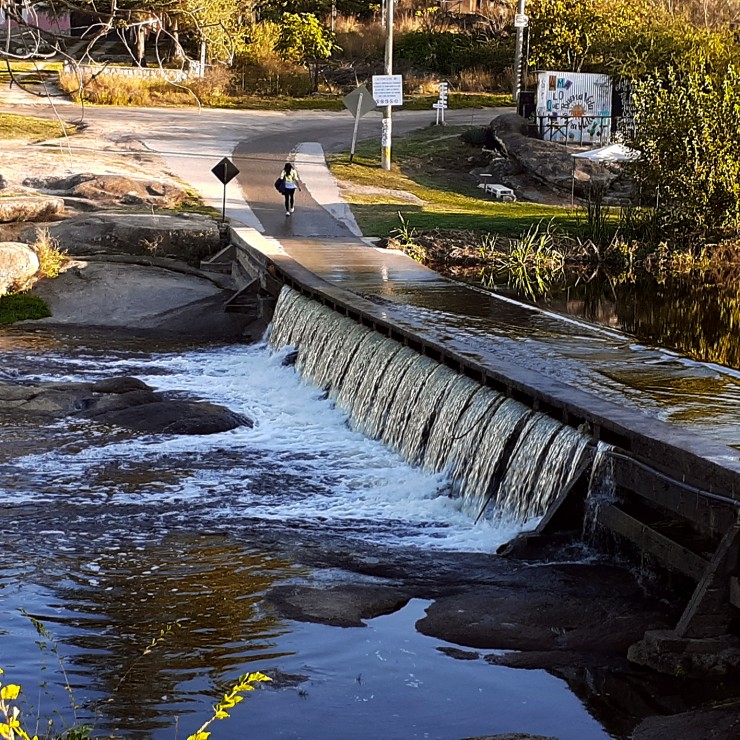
(521, 21)
(225, 171)
(359, 102)
(387, 91)
(441, 104)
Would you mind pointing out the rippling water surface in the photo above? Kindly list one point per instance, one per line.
(145, 560)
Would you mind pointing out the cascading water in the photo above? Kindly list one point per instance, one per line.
(494, 449)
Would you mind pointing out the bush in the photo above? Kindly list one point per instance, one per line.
(688, 131)
(442, 52)
(20, 307)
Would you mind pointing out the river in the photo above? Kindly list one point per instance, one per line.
(135, 566)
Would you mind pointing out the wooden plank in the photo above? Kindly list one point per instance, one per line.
(708, 612)
(735, 591)
(707, 515)
(666, 551)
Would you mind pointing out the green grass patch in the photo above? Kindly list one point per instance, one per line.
(411, 102)
(28, 127)
(21, 306)
(432, 164)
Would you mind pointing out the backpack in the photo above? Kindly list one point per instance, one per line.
(280, 185)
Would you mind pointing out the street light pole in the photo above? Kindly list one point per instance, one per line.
(385, 137)
(519, 54)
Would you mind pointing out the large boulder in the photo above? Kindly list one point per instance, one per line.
(113, 189)
(18, 263)
(170, 416)
(30, 208)
(188, 236)
(125, 402)
(552, 163)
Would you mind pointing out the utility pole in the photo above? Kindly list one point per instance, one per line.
(385, 137)
(520, 22)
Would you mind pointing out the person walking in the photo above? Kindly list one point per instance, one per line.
(291, 181)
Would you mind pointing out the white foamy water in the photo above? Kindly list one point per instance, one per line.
(301, 464)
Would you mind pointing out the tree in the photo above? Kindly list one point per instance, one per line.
(688, 133)
(304, 40)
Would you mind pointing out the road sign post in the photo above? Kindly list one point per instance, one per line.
(441, 104)
(359, 102)
(387, 92)
(225, 171)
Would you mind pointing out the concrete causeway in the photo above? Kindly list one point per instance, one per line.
(697, 400)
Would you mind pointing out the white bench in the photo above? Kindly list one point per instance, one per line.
(501, 192)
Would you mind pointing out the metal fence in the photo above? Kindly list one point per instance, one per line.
(576, 129)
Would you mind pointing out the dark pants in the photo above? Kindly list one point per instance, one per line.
(289, 198)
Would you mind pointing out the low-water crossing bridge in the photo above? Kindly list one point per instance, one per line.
(666, 426)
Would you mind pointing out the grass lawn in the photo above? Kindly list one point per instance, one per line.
(455, 101)
(433, 164)
(28, 127)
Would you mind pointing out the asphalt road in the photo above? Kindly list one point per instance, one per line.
(259, 142)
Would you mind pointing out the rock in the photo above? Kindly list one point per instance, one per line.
(190, 237)
(18, 263)
(556, 616)
(96, 407)
(666, 652)
(708, 723)
(44, 399)
(135, 298)
(172, 417)
(551, 163)
(122, 384)
(140, 408)
(341, 606)
(113, 189)
(30, 208)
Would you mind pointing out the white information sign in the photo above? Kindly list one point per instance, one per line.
(388, 90)
(521, 20)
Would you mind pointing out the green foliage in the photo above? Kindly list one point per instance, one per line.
(662, 42)
(475, 135)
(562, 32)
(531, 264)
(304, 40)
(22, 306)
(443, 52)
(688, 130)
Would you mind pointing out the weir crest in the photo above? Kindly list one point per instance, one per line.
(504, 459)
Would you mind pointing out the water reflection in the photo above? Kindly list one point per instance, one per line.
(697, 315)
(154, 629)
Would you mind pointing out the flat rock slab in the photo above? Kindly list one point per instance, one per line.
(340, 606)
(113, 189)
(189, 237)
(560, 617)
(30, 208)
(134, 297)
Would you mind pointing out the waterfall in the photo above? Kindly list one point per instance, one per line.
(501, 457)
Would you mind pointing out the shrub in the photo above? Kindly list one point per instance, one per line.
(22, 306)
(51, 258)
(688, 131)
